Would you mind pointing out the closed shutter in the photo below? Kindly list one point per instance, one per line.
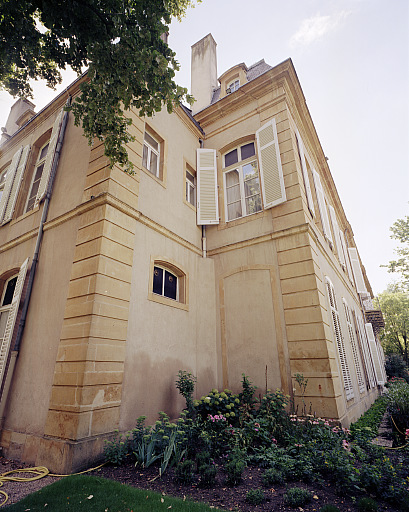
(307, 185)
(335, 230)
(207, 196)
(346, 256)
(346, 377)
(367, 353)
(16, 185)
(271, 171)
(321, 205)
(11, 174)
(356, 268)
(355, 353)
(49, 160)
(11, 320)
(374, 353)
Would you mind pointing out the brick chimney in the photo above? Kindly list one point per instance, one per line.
(204, 72)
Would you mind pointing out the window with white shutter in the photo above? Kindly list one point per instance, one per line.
(346, 256)
(8, 313)
(346, 376)
(271, 171)
(207, 195)
(336, 233)
(374, 353)
(18, 178)
(322, 205)
(8, 183)
(307, 186)
(370, 371)
(357, 271)
(355, 352)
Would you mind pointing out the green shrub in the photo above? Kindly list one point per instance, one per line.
(185, 383)
(117, 449)
(366, 427)
(206, 469)
(297, 497)
(395, 367)
(367, 505)
(255, 497)
(223, 403)
(398, 405)
(235, 466)
(273, 476)
(329, 508)
(184, 471)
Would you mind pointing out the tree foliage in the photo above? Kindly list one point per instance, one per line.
(400, 232)
(119, 41)
(394, 304)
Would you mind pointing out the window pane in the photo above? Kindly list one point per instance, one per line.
(154, 163)
(8, 295)
(233, 194)
(234, 210)
(247, 150)
(43, 152)
(151, 141)
(250, 171)
(232, 178)
(231, 158)
(145, 156)
(170, 285)
(251, 187)
(253, 204)
(3, 321)
(157, 280)
(190, 177)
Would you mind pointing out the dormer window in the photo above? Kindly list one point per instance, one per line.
(233, 86)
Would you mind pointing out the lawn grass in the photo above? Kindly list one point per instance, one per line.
(93, 494)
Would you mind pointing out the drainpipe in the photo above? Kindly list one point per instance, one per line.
(204, 248)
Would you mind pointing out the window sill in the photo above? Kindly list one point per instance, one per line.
(23, 216)
(190, 205)
(167, 302)
(242, 220)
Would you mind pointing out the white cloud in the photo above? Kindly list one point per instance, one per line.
(313, 29)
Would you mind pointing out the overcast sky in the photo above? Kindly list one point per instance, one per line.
(352, 59)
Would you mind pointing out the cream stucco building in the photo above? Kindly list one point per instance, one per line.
(227, 252)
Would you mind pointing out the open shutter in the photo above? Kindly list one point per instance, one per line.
(11, 174)
(374, 353)
(356, 268)
(365, 346)
(335, 231)
(346, 377)
(346, 256)
(321, 205)
(207, 196)
(307, 185)
(8, 214)
(11, 320)
(355, 353)
(271, 171)
(49, 160)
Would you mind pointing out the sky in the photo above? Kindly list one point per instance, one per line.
(352, 60)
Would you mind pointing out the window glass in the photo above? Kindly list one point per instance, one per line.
(157, 280)
(150, 154)
(150, 140)
(247, 150)
(170, 285)
(164, 283)
(9, 291)
(234, 86)
(231, 158)
(38, 171)
(190, 188)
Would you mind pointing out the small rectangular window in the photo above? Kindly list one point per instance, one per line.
(151, 154)
(190, 188)
(164, 283)
(38, 171)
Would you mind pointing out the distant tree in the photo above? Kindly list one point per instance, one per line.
(119, 41)
(394, 304)
(395, 367)
(400, 266)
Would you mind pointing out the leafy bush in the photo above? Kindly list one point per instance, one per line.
(272, 412)
(297, 497)
(395, 367)
(366, 427)
(235, 466)
(206, 469)
(367, 505)
(185, 383)
(184, 471)
(224, 403)
(398, 405)
(117, 449)
(272, 476)
(255, 497)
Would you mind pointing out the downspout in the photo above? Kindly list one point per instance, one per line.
(47, 199)
(204, 248)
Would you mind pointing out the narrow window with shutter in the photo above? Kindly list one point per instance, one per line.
(8, 183)
(349, 391)
(8, 214)
(43, 170)
(374, 353)
(346, 256)
(355, 353)
(366, 349)
(357, 271)
(207, 195)
(271, 171)
(8, 313)
(306, 178)
(322, 205)
(335, 230)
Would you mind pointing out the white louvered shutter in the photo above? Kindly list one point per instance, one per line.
(374, 353)
(346, 256)
(11, 174)
(307, 185)
(207, 195)
(321, 205)
(11, 320)
(355, 353)
(366, 350)
(8, 214)
(271, 171)
(335, 230)
(356, 268)
(346, 377)
(49, 159)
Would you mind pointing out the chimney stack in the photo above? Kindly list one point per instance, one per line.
(204, 72)
(20, 113)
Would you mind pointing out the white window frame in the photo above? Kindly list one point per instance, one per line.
(190, 187)
(238, 166)
(355, 352)
(40, 161)
(233, 86)
(7, 307)
(3, 176)
(151, 150)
